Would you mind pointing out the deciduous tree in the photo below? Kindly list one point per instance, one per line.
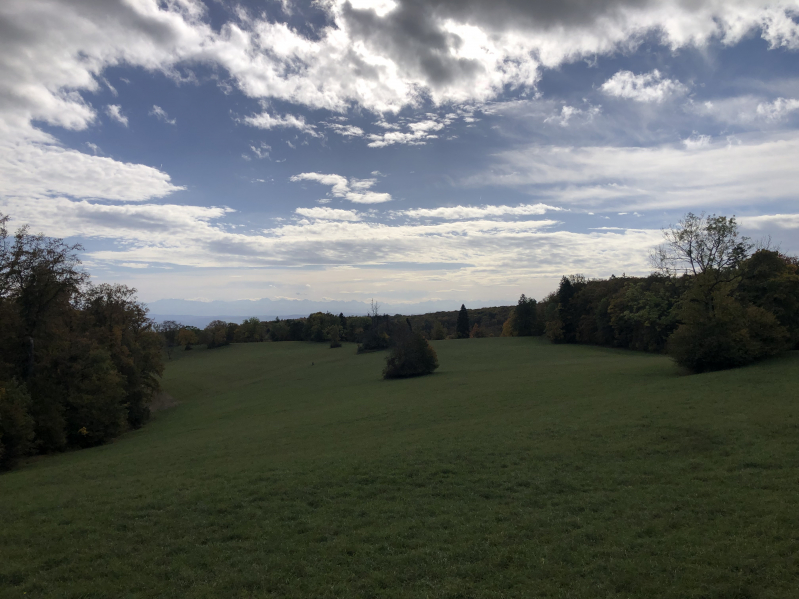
(699, 244)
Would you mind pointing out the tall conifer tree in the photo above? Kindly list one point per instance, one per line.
(462, 328)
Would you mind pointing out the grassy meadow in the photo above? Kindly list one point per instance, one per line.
(519, 469)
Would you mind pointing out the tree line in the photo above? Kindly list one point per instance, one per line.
(78, 362)
(715, 301)
(370, 331)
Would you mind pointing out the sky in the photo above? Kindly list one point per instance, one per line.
(402, 150)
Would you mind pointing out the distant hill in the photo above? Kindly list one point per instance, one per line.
(198, 313)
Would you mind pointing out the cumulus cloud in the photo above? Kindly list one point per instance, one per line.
(328, 214)
(419, 133)
(161, 115)
(759, 169)
(474, 212)
(647, 87)
(382, 57)
(115, 112)
(354, 190)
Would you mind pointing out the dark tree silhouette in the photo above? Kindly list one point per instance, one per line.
(525, 317)
(462, 328)
(411, 355)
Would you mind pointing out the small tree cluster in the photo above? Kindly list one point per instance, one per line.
(377, 336)
(524, 321)
(411, 355)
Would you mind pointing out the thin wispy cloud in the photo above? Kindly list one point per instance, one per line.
(473, 212)
(322, 213)
(161, 115)
(264, 120)
(114, 111)
(345, 130)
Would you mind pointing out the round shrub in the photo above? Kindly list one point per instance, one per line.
(410, 356)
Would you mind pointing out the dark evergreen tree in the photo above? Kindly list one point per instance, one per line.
(462, 328)
(525, 317)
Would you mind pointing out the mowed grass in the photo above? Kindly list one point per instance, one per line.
(519, 469)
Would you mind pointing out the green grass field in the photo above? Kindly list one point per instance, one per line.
(519, 469)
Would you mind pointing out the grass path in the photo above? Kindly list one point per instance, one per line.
(519, 469)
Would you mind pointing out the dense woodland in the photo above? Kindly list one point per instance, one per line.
(79, 363)
(713, 303)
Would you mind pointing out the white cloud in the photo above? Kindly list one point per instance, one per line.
(354, 190)
(329, 214)
(161, 115)
(770, 221)
(134, 223)
(780, 28)
(568, 112)
(261, 151)
(777, 109)
(501, 248)
(193, 236)
(420, 132)
(115, 112)
(265, 120)
(346, 130)
(474, 212)
(697, 141)
(747, 110)
(647, 87)
(39, 167)
(451, 52)
(760, 169)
